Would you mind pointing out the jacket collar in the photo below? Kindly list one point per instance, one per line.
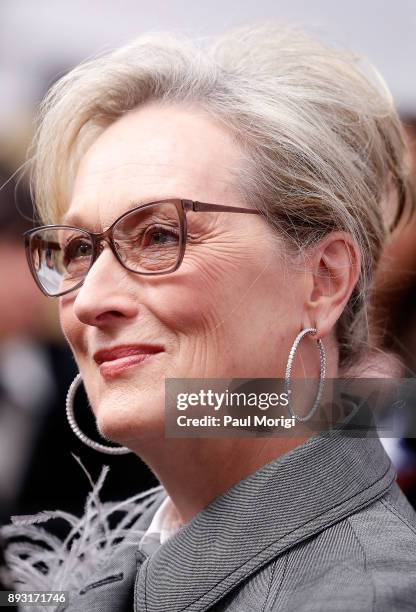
(295, 496)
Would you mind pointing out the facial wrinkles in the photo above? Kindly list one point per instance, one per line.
(101, 200)
(229, 255)
(221, 261)
(209, 339)
(216, 259)
(213, 258)
(106, 190)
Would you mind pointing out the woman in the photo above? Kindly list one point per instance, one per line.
(304, 148)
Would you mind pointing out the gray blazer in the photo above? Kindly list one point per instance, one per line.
(322, 528)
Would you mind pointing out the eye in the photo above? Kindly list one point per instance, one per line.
(156, 235)
(76, 249)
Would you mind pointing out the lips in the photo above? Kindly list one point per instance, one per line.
(119, 352)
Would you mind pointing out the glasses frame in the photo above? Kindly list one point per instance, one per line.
(182, 207)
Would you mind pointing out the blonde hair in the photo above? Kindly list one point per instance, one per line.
(323, 141)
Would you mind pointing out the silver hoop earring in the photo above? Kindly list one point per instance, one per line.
(322, 372)
(102, 448)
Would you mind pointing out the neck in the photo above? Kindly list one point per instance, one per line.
(194, 471)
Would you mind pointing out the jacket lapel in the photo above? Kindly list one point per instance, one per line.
(286, 501)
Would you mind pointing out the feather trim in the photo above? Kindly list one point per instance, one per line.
(44, 562)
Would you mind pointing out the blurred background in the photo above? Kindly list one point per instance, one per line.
(39, 42)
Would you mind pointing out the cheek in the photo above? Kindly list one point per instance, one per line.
(205, 291)
(232, 300)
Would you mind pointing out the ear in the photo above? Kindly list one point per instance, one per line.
(333, 269)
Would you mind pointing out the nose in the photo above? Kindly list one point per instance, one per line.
(106, 297)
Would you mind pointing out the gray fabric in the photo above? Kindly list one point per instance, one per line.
(322, 528)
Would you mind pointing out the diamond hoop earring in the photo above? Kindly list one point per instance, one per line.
(102, 448)
(322, 372)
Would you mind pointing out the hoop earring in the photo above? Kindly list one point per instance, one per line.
(102, 448)
(322, 372)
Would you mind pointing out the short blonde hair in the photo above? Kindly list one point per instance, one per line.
(323, 141)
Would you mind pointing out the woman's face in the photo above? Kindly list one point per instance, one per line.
(230, 310)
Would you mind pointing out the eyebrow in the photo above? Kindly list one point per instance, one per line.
(75, 221)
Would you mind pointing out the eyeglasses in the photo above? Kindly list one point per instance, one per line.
(150, 239)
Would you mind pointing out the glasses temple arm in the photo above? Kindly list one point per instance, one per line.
(206, 207)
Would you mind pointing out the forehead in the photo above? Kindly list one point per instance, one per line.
(152, 153)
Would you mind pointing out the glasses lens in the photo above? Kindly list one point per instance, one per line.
(149, 239)
(60, 258)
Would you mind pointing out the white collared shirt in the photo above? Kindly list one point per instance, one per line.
(165, 523)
